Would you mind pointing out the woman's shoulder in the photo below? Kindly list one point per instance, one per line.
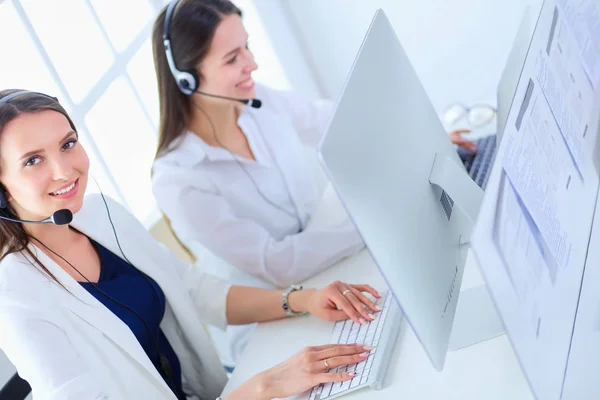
(19, 274)
(180, 169)
(97, 204)
(185, 152)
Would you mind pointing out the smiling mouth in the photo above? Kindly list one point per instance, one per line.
(65, 190)
(246, 83)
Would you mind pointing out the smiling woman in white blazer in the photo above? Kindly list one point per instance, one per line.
(70, 344)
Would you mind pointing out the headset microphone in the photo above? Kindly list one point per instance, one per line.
(60, 217)
(254, 103)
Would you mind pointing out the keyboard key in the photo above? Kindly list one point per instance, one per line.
(355, 382)
(360, 367)
(335, 387)
(352, 338)
(346, 385)
(340, 388)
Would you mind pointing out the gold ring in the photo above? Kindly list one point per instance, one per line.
(326, 364)
(345, 292)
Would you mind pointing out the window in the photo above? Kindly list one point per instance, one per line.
(71, 38)
(96, 57)
(27, 70)
(130, 155)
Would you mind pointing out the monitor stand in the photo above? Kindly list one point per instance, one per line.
(476, 318)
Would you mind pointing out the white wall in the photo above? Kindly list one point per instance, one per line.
(458, 47)
(282, 36)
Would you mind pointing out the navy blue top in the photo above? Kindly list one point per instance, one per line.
(122, 282)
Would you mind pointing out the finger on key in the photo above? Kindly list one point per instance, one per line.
(335, 362)
(344, 304)
(365, 300)
(317, 349)
(368, 289)
(358, 305)
(342, 350)
(326, 377)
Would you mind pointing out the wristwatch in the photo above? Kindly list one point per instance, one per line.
(284, 301)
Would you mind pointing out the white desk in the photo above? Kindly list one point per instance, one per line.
(488, 370)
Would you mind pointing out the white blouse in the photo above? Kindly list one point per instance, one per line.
(213, 203)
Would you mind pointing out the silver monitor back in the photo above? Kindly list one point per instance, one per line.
(379, 152)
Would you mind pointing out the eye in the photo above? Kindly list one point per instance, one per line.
(70, 144)
(33, 161)
(232, 60)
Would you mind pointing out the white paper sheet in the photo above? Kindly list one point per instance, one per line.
(515, 239)
(583, 20)
(539, 167)
(569, 94)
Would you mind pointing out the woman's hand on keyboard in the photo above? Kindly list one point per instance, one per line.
(457, 138)
(338, 301)
(309, 368)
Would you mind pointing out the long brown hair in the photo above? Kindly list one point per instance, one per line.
(192, 28)
(13, 236)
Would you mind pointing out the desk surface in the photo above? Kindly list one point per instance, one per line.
(488, 370)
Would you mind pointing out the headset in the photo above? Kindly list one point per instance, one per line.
(188, 80)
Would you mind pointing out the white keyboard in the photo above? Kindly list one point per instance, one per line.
(381, 334)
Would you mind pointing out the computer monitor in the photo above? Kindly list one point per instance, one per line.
(400, 179)
(533, 240)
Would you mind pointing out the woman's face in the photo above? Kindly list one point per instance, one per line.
(42, 165)
(227, 68)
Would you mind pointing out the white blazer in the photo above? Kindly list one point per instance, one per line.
(70, 346)
(213, 203)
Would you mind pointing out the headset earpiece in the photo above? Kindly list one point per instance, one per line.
(187, 81)
(3, 199)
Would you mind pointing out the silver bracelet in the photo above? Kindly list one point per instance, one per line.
(284, 301)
